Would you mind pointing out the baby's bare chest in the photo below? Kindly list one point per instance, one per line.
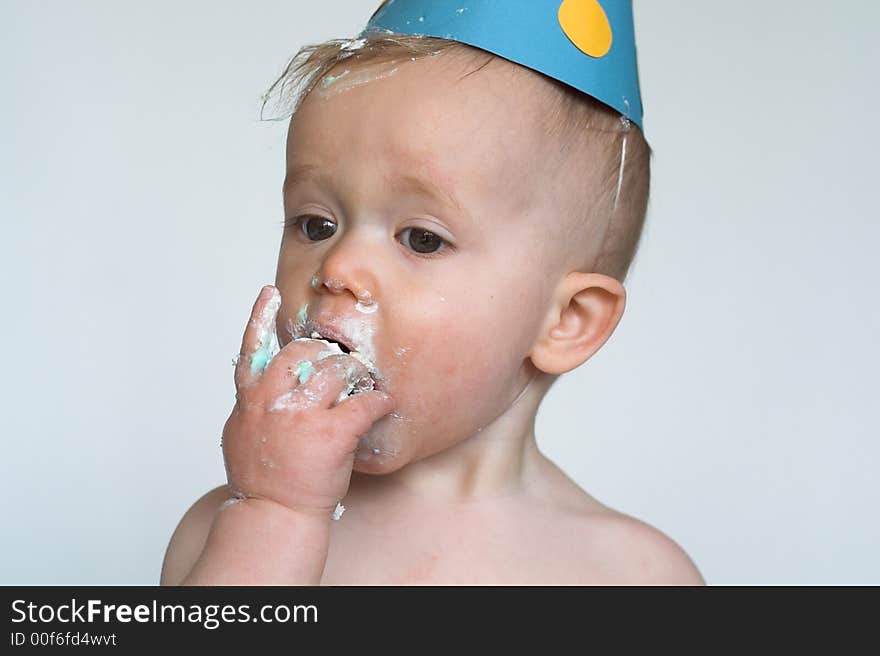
(458, 552)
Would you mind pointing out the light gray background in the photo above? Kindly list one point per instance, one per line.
(735, 408)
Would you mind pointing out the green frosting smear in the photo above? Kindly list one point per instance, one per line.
(260, 359)
(304, 369)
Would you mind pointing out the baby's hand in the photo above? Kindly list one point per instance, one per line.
(287, 440)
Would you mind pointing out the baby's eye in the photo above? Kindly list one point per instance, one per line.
(314, 227)
(423, 241)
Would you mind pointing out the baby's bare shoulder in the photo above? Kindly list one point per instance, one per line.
(594, 543)
(615, 548)
(189, 537)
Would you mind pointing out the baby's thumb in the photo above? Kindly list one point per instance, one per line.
(360, 411)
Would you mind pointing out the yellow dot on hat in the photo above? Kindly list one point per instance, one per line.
(585, 23)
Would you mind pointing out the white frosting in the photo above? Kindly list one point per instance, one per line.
(337, 512)
(332, 348)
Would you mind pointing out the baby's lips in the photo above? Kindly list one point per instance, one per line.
(327, 348)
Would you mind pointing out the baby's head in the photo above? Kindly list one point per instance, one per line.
(459, 220)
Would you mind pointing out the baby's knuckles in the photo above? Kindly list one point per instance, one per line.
(285, 457)
(281, 374)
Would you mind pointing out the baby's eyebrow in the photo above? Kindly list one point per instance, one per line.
(402, 182)
(427, 188)
(297, 174)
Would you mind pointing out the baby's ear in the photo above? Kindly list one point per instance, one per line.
(585, 311)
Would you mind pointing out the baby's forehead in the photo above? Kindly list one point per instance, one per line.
(460, 77)
(453, 107)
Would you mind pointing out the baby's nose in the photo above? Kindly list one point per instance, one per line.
(365, 300)
(351, 264)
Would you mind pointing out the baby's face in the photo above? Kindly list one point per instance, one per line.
(417, 234)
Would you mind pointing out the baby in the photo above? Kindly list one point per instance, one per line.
(457, 230)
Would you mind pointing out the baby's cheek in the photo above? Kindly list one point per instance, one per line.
(455, 380)
(450, 356)
(446, 386)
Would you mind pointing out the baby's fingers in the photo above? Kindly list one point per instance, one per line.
(260, 342)
(322, 383)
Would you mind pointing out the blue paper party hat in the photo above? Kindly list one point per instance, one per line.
(587, 44)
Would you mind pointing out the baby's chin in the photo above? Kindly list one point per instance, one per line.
(381, 449)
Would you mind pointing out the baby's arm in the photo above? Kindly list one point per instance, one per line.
(251, 548)
(260, 542)
(190, 535)
(188, 546)
(289, 451)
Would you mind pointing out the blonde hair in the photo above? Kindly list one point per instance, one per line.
(614, 197)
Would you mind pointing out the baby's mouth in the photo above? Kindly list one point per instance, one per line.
(309, 329)
(342, 347)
